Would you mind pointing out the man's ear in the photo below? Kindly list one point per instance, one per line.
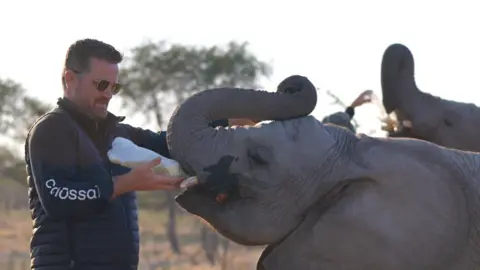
(71, 80)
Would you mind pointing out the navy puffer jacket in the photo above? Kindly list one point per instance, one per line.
(75, 225)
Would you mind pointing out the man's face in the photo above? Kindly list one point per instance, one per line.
(93, 90)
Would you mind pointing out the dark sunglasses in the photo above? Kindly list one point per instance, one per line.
(102, 85)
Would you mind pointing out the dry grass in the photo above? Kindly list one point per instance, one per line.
(15, 231)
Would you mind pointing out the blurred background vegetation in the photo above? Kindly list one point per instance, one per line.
(158, 75)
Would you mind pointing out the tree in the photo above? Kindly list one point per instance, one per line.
(160, 75)
(11, 167)
(18, 111)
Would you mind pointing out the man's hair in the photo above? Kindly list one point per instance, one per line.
(82, 51)
(340, 119)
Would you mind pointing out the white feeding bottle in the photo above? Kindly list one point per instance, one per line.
(128, 154)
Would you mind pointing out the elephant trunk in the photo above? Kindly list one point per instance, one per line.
(397, 78)
(195, 144)
(401, 94)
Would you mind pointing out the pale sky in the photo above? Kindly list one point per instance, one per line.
(337, 44)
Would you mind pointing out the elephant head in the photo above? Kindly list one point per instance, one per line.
(422, 115)
(263, 162)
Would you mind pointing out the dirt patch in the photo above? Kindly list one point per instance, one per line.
(16, 226)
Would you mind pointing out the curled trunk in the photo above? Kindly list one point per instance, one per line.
(194, 144)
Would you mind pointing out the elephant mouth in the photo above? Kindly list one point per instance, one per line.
(396, 127)
(194, 190)
(202, 193)
(391, 123)
(403, 129)
(186, 198)
(189, 182)
(198, 200)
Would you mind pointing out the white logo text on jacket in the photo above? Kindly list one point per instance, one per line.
(65, 193)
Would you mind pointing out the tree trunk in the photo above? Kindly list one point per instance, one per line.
(225, 245)
(171, 226)
(209, 243)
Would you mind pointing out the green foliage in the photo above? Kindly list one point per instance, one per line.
(17, 110)
(11, 166)
(159, 75)
(17, 113)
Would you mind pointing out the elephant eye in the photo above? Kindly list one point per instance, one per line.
(258, 156)
(447, 122)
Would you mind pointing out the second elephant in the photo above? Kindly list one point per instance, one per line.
(444, 122)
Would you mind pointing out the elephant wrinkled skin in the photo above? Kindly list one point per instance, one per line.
(320, 196)
(443, 122)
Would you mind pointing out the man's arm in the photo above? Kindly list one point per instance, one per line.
(157, 141)
(365, 96)
(350, 111)
(53, 162)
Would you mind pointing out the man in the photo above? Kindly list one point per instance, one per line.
(343, 119)
(84, 207)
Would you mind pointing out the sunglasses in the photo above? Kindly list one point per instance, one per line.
(102, 85)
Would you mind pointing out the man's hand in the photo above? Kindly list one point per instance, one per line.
(364, 97)
(142, 178)
(242, 122)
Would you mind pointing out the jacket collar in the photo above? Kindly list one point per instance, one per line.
(87, 121)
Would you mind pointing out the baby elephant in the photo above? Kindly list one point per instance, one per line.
(320, 196)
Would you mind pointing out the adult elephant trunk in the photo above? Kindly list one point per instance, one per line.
(195, 144)
(398, 78)
(400, 92)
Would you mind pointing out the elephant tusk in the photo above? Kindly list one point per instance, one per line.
(189, 182)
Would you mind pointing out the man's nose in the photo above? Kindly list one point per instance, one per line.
(108, 93)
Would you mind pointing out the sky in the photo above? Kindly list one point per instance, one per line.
(338, 44)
